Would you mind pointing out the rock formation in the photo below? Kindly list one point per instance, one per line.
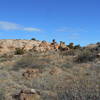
(11, 44)
(63, 46)
(29, 94)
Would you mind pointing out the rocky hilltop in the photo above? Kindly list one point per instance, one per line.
(11, 45)
(8, 45)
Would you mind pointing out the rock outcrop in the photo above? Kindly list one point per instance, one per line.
(42, 47)
(9, 45)
(31, 94)
(63, 46)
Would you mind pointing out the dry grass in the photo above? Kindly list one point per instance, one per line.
(76, 81)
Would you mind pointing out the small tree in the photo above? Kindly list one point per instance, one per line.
(19, 51)
(77, 46)
(86, 55)
(33, 39)
(71, 45)
(98, 43)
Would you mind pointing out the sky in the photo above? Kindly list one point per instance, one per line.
(75, 21)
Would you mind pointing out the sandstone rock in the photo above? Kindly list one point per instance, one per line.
(31, 94)
(43, 47)
(63, 46)
(98, 55)
(9, 45)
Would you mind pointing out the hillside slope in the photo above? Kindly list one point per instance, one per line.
(72, 74)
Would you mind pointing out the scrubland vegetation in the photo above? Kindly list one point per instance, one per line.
(64, 75)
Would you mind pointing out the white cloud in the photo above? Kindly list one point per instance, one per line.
(8, 26)
(70, 30)
(13, 26)
(32, 29)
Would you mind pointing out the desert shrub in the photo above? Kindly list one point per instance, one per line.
(3, 58)
(77, 47)
(32, 61)
(86, 55)
(33, 39)
(73, 52)
(19, 51)
(71, 45)
(6, 57)
(97, 49)
(98, 43)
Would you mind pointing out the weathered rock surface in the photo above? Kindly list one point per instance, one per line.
(28, 95)
(9, 45)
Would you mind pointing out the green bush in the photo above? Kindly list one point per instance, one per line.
(73, 52)
(86, 55)
(19, 51)
(33, 39)
(71, 45)
(77, 47)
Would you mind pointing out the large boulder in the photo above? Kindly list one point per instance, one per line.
(29, 94)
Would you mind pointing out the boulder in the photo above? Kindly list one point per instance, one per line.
(29, 94)
(98, 55)
(63, 46)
